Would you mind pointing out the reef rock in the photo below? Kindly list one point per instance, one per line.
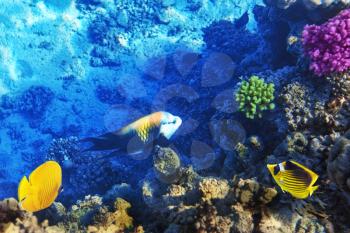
(285, 220)
(249, 193)
(117, 221)
(339, 163)
(14, 219)
(166, 164)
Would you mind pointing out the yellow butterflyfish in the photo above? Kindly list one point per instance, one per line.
(42, 188)
(294, 178)
(139, 135)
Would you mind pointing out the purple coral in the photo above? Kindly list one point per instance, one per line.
(328, 45)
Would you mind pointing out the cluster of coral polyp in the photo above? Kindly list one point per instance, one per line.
(328, 45)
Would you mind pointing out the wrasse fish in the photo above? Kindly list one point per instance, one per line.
(294, 178)
(42, 188)
(138, 136)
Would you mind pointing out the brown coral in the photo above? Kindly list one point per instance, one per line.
(13, 219)
(212, 188)
(209, 221)
(117, 221)
(249, 192)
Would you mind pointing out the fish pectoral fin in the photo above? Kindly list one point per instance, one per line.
(313, 189)
(23, 189)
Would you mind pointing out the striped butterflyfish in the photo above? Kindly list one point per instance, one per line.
(42, 188)
(294, 178)
(139, 136)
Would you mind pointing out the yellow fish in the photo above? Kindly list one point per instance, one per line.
(138, 136)
(294, 178)
(42, 188)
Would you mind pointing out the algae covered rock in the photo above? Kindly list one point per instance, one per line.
(209, 221)
(338, 165)
(13, 219)
(117, 221)
(282, 219)
(212, 188)
(249, 192)
(166, 164)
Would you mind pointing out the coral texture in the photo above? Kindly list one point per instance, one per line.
(328, 45)
(255, 96)
(14, 220)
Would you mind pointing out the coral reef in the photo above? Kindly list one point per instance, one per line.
(339, 161)
(206, 204)
(297, 101)
(34, 101)
(166, 164)
(308, 4)
(64, 151)
(327, 45)
(87, 66)
(340, 87)
(117, 221)
(255, 96)
(14, 219)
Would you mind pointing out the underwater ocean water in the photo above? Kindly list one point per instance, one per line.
(175, 116)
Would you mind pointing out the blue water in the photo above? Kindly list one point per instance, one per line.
(75, 69)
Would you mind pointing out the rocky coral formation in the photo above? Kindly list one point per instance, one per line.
(249, 193)
(13, 219)
(208, 220)
(117, 221)
(204, 204)
(93, 215)
(212, 188)
(283, 220)
(297, 101)
(340, 86)
(339, 161)
(166, 164)
(309, 4)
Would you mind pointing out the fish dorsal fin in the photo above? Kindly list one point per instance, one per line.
(23, 189)
(48, 170)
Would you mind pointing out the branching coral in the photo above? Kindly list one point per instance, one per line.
(328, 45)
(255, 96)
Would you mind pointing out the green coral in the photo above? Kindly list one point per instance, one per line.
(255, 96)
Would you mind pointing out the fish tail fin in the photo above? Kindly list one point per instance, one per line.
(107, 141)
(313, 189)
(23, 189)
